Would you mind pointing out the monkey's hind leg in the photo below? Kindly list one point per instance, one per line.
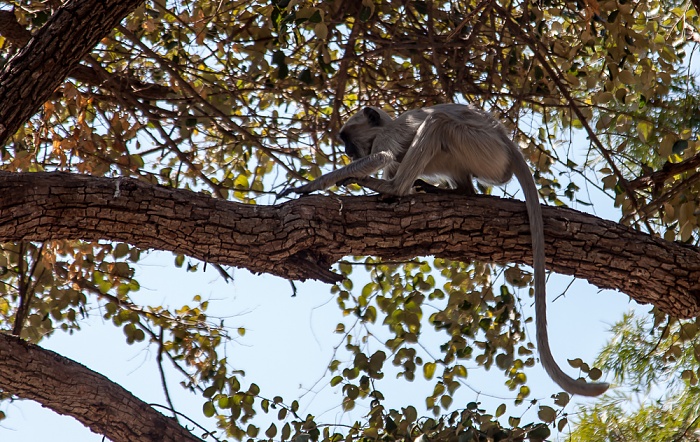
(432, 134)
(465, 186)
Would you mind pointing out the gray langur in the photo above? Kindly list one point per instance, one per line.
(452, 142)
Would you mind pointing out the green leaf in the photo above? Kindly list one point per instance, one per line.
(208, 409)
(210, 391)
(500, 410)
(252, 431)
(576, 363)
(278, 58)
(120, 250)
(627, 77)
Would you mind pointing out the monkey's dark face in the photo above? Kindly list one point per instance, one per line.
(359, 132)
(351, 149)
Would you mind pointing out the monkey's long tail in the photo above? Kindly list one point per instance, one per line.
(534, 211)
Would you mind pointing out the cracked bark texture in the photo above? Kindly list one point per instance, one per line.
(43, 64)
(74, 390)
(302, 238)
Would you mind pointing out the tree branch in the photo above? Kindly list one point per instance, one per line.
(667, 171)
(69, 388)
(302, 238)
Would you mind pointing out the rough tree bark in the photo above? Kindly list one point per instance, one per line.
(74, 390)
(302, 238)
(35, 71)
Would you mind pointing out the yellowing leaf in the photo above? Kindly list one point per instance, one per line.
(429, 370)
(666, 146)
(644, 129)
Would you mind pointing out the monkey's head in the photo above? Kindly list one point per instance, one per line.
(359, 132)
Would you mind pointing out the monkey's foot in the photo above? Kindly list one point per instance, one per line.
(422, 186)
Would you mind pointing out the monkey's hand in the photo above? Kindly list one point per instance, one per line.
(299, 190)
(313, 186)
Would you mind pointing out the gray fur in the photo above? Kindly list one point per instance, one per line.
(453, 143)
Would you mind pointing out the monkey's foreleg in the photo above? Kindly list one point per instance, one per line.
(371, 183)
(357, 169)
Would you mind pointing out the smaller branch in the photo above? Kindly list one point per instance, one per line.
(469, 16)
(668, 195)
(24, 296)
(166, 137)
(666, 172)
(446, 84)
(159, 360)
(185, 159)
(342, 77)
(658, 341)
(206, 433)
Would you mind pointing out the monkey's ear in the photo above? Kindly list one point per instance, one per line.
(372, 116)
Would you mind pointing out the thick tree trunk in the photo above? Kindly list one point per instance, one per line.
(69, 388)
(30, 77)
(302, 238)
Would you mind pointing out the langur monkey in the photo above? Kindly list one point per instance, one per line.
(452, 142)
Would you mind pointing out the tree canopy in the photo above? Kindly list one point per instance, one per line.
(127, 126)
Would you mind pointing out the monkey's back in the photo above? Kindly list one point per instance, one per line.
(471, 142)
